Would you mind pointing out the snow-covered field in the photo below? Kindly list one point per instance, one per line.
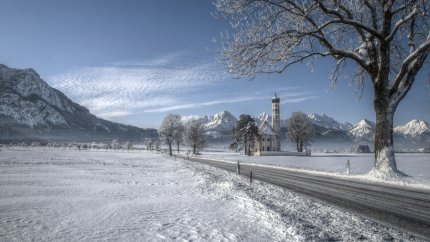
(70, 195)
(413, 164)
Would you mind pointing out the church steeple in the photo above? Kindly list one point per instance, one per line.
(276, 122)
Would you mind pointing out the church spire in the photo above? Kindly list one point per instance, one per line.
(276, 122)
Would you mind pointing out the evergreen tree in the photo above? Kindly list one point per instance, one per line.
(245, 134)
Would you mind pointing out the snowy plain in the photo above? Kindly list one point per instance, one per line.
(49, 194)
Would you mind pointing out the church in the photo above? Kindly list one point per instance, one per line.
(270, 134)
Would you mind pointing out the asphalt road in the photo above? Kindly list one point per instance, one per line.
(407, 209)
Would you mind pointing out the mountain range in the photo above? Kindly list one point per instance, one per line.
(31, 109)
(413, 135)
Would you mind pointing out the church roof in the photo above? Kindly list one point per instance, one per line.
(266, 129)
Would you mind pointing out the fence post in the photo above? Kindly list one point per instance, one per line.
(348, 167)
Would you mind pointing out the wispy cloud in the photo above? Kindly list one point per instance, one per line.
(295, 97)
(162, 84)
(127, 87)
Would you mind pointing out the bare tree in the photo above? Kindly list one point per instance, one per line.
(195, 135)
(168, 129)
(128, 145)
(178, 136)
(300, 130)
(388, 42)
(149, 142)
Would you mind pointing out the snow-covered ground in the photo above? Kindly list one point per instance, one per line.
(413, 164)
(70, 195)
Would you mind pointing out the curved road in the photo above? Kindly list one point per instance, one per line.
(407, 209)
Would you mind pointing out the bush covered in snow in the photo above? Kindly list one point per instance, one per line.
(361, 149)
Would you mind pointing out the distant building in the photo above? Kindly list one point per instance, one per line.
(270, 135)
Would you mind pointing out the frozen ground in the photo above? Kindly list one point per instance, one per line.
(413, 164)
(70, 195)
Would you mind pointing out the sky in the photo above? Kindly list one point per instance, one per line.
(133, 62)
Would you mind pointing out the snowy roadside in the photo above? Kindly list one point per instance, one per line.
(329, 166)
(288, 216)
(70, 195)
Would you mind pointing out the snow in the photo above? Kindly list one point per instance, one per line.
(92, 195)
(266, 129)
(69, 195)
(384, 161)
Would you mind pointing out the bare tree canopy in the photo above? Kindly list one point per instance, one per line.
(168, 129)
(195, 135)
(388, 41)
(300, 130)
(178, 136)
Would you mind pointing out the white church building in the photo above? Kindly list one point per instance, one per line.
(270, 134)
(269, 143)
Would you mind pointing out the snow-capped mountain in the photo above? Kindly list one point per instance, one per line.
(222, 121)
(262, 118)
(413, 129)
(364, 130)
(28, 103)
(328, 122)
(220, 126)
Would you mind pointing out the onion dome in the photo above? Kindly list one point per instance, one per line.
(275, 99)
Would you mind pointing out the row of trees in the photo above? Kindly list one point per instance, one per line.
(114, 144)
(299, 126)
(174, 131)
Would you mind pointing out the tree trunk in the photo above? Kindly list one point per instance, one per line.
(194, 148)
(385, 162)
(170, 148)
(178, 147)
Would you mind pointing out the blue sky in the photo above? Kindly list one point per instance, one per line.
(135, 61)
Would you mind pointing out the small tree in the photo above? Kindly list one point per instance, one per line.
(115, 144)
(168, 129)
(157, 144)
(195, 135)
(149, 143)
(245, 134)
(300, 130)
(128, 145)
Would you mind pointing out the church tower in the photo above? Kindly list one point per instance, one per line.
(276, 123)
